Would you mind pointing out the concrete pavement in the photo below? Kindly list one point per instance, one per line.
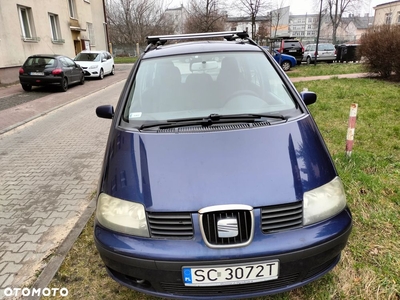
(49, 169)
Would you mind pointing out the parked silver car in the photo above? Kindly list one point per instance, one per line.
(326, 52)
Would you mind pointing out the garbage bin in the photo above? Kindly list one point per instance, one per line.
(352, 53)
(339, 52)
(349, 53)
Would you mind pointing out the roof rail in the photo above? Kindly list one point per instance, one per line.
(228, 35)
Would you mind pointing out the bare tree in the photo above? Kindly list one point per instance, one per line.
(204, 16)
(130, 21)
(335, 10)
(253, 8)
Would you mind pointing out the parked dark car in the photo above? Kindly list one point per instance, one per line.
(291, 47)
(216, 182)
(44, 69)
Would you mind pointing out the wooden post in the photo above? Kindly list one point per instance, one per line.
(351, 129)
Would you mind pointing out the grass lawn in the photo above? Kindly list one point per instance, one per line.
(370, 264)
(125, 60)
(326, 69)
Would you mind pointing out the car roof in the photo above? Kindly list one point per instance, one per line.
(205, 42)
(200, 47)
(46, 55)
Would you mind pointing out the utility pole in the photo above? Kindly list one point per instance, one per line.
(319, 28)
(253, 21)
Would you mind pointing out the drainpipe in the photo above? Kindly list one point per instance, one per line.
(109, 48)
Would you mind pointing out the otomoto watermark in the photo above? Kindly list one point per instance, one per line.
(26, 292)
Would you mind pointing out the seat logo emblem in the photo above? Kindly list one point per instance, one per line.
(227, 228)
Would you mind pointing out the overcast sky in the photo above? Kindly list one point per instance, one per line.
(308, 6)
(298, 7)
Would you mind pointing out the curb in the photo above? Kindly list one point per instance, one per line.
(47, 274)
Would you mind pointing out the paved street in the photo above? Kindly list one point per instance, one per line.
(49, 168)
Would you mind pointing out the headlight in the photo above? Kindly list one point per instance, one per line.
(93, 67)
(323, 202)
(122, 216)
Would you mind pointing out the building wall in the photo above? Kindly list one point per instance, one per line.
(15, 50)
(383, 10)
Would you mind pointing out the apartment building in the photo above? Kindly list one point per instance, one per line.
(387, 13)
(178, 17)
(48, 26)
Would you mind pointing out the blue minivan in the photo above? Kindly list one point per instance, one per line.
(216, 182)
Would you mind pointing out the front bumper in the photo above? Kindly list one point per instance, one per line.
(157, 270)
(91, 72)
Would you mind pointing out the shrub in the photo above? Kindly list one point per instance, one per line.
(379, 47)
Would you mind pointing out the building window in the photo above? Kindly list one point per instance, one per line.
(72, 8)
(55, 29)
(25, 17)
(91, 34)
(388, 18)
(398, 17)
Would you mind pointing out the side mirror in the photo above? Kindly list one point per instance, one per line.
(105, 111)
(308, 97)
(104, 60)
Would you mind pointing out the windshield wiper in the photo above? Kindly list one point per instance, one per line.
(213, 119)
(217, 117)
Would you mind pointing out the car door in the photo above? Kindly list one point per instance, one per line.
(74, 71)
(107, 63)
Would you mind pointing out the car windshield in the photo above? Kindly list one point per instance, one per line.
(88, 57)
(196, 85)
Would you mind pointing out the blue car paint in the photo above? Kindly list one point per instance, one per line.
(185, 172)
(283, 57)
(279, 58)
(195, 249)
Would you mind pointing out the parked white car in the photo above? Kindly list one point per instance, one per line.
(326, 52)
(96, 63)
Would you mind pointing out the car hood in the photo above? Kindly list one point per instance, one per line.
(188, 171)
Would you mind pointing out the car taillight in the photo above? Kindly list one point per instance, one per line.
(21, 71)
(56, 71)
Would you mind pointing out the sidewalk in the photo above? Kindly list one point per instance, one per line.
(311, 78)
(49, 169)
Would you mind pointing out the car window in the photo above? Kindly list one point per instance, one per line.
(292, 44)
(67, 62)
(326, 47)
(40, 62)
(201, 84)
(84, 56)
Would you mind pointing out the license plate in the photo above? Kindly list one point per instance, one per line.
(230, 274)
(37, 73)
(292, 50)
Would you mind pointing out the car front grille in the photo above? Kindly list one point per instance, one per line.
(170, 225)
(180, 225)
(241, 231)
(282, 217)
